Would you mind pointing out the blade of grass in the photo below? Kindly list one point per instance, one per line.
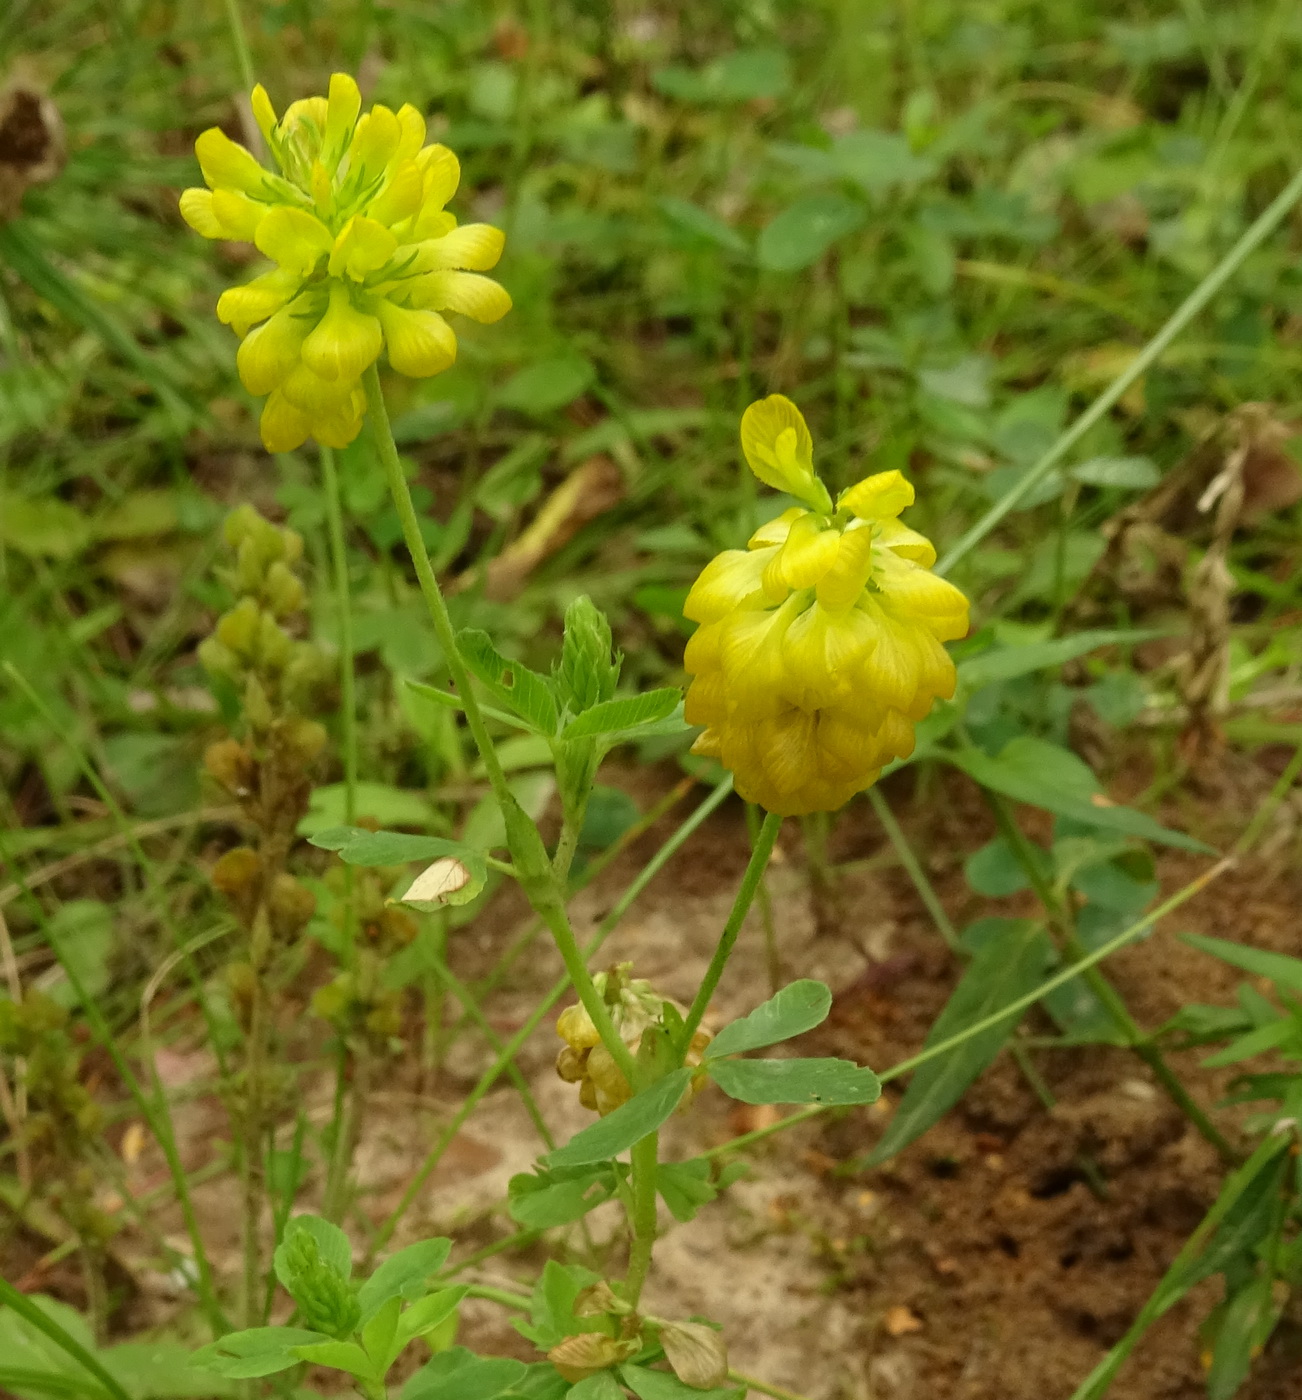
(30, 1313)
(1262, 227)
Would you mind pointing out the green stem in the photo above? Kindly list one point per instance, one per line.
(1108, 996)
(1265, 224)
(343, 604)
(240, 43)
(31, 1314)
(512, 1046)
(913, 867)
(772, 954)
(530, 856)
(642, 1218)
(759, 859)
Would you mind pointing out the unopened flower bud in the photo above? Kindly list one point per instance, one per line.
(239, 628)
(291, 905)
(219, 660)
(305, 738)
(274, 645)
(242, 982)
(239, 524)
(283, 590)
(575, 1026)
(238, 875)
(232, 765)
(572, 1064)
(257, 708)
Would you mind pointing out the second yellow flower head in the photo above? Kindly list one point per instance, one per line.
(366, 256)
(820, 644)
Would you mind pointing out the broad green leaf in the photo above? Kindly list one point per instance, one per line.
(161, 1370)
(543, 1199)
(602, 1386)
(685, 1186)
(390, 806)
(380, 1332)
(259, 1351)
(551, 1308)
(627, 713)
(736, 77)
(704, 224)
(649, 1384)
(511, 683)
(542, 388)
(609, 814)
(822, 1081)
(1003, 970)
(1045, 775)
(797, 1008)
(457, 874)
(801, 234)
(343, 1356)
(878, 160)
(1277, 967)
(1132, 473)
(44, 528)
(629, 1123)
(403, 1274)
(541, 1381)
(82, 932)
(1004, 663)
(458, 1374)
(995, 871)
(426, 1314)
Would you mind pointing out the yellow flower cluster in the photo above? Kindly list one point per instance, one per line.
(820, 644)
(584, 1060)
(366, 256)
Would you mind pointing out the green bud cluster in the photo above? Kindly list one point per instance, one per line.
(326, 1299)
(249, 646)
(588, 670)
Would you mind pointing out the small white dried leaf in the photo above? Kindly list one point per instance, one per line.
(435, 885)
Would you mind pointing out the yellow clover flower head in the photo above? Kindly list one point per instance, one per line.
(820, 644)
(366, 256)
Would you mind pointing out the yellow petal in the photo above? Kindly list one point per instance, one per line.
(239, 215)
(473, 246)
(442, 172)
(400, 198)
(242, 307)
(810, 551)
(374, 142)
(197, 211)
(420, 343)
(726, 582)
(342, 107)
(879, 497)
(316, 397)
(908, 544)
(263, 112)
(268, 354)
(339, 429)
(345, 342)
(776, 530)
(842, 585)
(702, 650)
(893, 669)
(283, 427)
(787, 743)
(845, 744)
(779, 449)
(707, 699)
(304, 122)
(293, 238)
(478, 297)
(363, 246)
(226, 165)
(822, 653)
(916, 593)
(412, 125)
